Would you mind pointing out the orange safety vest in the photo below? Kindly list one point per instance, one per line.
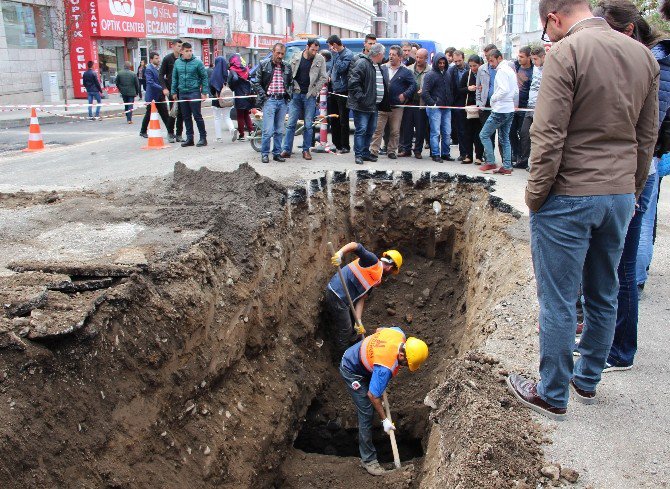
(367, 276)
(382, 349)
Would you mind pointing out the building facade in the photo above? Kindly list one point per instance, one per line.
(511, 25)
(398, 18)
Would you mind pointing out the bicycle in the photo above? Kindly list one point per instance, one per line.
(256, 135)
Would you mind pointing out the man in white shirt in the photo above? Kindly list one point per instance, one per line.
(503, 102)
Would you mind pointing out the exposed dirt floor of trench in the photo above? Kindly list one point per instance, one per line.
(172, 334)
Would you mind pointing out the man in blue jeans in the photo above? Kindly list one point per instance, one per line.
(274, 89)
(93, 89)
(505, 97)
(438, 91)
(309, 76)
(368, 93)
(189, 80)
(581, 194)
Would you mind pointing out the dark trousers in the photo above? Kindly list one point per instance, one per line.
(243, 119)
(458, 117)
(524, 138)
(127, 106)
(454, 127)
(162, 110)
(178, 121)
(334, 123)
(343, 112)
(471, 137)
(192, 109)
(413, 128)
(514, 134)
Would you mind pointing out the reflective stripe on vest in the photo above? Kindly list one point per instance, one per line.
(367, 276)
(382, 349)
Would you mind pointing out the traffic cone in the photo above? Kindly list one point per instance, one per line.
(35, 142)
(154, 131)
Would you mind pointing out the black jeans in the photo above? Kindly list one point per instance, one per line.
(413, 128)
(459, 119)
(194, 109)
(127, 106)
(343, 112)
(515, 136)
(178, 121)
(341, 324)
(471, 137)
(162, 110)
(524, 138)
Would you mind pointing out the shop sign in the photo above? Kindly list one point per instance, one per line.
(121, 18)
(195, 25)
(218, 26)
(82, 48)
(241, 40)
(161, 19)
(206, 59)
(192, 4)
(218, 6)
(266, 42)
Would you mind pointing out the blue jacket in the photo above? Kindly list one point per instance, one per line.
(91, 82)
(402, 83)
(340, 72)
(437, 86)
(662, 54)
(154, 90)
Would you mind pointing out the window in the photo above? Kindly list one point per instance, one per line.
(406, 16)
(246, 10)
(395, 16)
(289, 19)
(395, 29)
(269, 15)
(27, 26)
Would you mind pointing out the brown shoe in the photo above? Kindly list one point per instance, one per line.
(585, 397)
(418, 156)
(285, 154)
(404, 154)
(307, 155)
(525, 391)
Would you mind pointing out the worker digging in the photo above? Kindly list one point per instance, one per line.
(360, 276)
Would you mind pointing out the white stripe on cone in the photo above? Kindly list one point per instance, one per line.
(33, 121)
(34, 137)
(154, 133)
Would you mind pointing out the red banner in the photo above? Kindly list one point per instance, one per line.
(121, 18)
(82, 48)
(206, 58)
(161, 19)
(266, 42)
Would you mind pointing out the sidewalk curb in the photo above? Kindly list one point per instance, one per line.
(51, 119)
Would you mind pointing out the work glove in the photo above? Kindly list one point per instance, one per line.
(336, 260)
(358, 327)
(388, 426)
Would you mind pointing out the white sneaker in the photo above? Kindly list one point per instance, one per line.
(613, 368)
(219, 140)
(374, 468)
(233, 134)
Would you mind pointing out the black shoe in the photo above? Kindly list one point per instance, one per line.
(359, 160)
(171, 138)
(446, 157)
(344, 151)
(188, 142)
(372, 158)
(460, 158)
(520, 166)
(202, 142)
(392, 156)
(418, 156)
(265, 159)
(179, 139)
(278, 158)
(436, 159)
(382, 151)
(144, 135)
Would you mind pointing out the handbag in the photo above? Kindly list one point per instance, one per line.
(227, 95)
(174, 108)
(471, 111)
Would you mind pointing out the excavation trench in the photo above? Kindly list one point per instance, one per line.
(211, 365)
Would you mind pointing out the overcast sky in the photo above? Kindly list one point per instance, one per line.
(457, 23)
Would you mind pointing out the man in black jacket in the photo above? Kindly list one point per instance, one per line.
(438, 92)
(274, 88)
(165, 78)
(401, 88)
(367, 95)
(457, 71)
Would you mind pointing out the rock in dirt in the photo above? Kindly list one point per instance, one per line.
(10, 341)
(409, 318)
(63, 314)
(72, 287)
(76, 269)
(570, 475)
(551, 471)
(19, 301)
(390, 311)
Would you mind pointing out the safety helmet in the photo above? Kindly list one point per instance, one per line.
(416, 352)
(396, 258)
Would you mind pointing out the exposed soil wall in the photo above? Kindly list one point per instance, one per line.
(198, 368)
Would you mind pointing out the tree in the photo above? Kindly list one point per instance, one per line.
(649, 9)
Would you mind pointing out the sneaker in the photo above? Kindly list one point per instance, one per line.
(392, 156)
(585, 397)
(374, 468)
(171, 138)
(580, 329)
(98, 118)
(447, 157)
(520, 166)
(615, 368)
(575, 349)
(179, 139)
(202, 142)
(436, 159)
(144, 135)
(502, 171)
(242, 138)
(525, 391)
(233, 135)
(488, 167)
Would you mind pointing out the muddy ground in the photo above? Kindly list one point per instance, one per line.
(170, 334)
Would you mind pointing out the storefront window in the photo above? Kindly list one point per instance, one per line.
(27, 26)
(111, 55)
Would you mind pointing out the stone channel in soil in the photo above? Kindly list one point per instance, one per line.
(195, 353)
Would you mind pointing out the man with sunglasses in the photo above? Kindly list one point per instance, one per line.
(360, 276)
(589, 161)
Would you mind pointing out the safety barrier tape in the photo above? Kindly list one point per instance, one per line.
(110, 104)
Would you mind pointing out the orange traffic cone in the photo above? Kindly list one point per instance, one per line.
(35, 142)
(154, 131)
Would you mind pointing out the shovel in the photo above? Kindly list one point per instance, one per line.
(385, 400)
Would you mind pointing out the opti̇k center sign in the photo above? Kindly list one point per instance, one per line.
(121, 18)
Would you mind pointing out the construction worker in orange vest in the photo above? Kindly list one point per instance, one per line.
(360, 277)
(367, 367)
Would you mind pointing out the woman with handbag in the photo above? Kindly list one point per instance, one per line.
(473, 125)
(238, 81)
(222, 98)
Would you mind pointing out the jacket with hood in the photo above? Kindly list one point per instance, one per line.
(318, 75)
(438, 86)
(363, 87)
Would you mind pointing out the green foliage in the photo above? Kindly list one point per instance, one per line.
(650, 10)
